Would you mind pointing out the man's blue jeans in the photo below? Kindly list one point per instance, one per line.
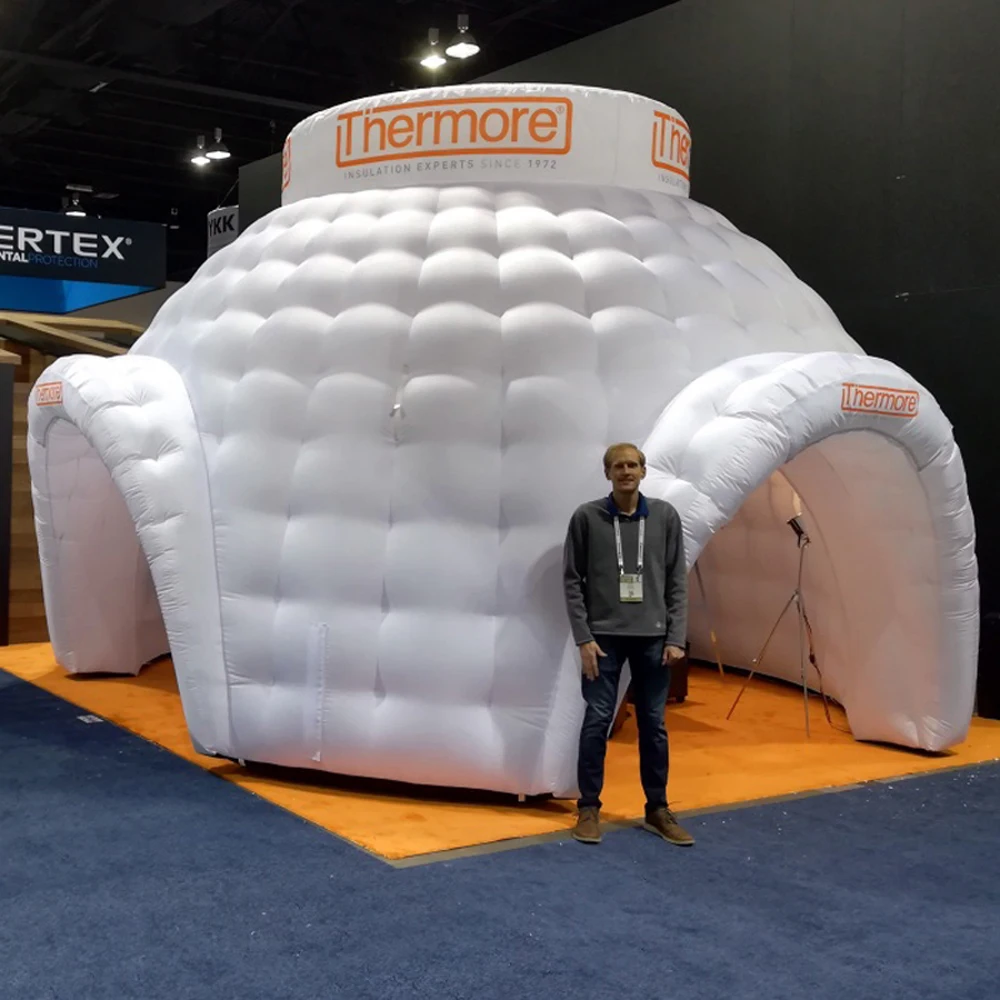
(650, 684)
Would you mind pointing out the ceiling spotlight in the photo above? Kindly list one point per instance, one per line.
(464, 44)
(219, 150)
(199, 157)
(76, 209)
(433, 58)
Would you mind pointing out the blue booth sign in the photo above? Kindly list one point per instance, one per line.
(56, 263)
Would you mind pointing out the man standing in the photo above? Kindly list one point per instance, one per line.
(626, 591)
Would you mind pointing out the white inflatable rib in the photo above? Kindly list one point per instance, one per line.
(119, 490)
(350, 446)
(872, 457)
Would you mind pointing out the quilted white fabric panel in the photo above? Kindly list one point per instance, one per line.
(402, 396)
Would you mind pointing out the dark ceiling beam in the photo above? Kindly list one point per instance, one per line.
(41, 185)
(116, 178)
(225, 57)
(79, 138)
(92, 13)
(149, 79)
(134, 207)
(363, 73)
(107, 153)
(207, 110)
(119, 136)
(532, 12)
(288, 10)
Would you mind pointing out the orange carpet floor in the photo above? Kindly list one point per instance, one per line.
(761, 753)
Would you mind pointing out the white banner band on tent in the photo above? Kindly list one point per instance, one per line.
(489, 133)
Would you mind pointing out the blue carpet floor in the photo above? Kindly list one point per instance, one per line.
(128, 873)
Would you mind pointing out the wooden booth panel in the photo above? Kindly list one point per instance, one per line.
(27, 608)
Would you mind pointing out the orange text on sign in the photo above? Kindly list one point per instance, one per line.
(286, 163)
(879, 399)
(671, 144)
(48, 393)
(465, 126)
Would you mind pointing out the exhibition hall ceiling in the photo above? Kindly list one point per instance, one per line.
(104, 100)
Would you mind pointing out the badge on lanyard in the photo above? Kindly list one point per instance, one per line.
(630, 584)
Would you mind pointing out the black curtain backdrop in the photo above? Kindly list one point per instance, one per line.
(860, 139)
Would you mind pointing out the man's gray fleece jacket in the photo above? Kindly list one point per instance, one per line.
(590, 572)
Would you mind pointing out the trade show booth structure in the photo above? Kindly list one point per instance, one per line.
(333, 478)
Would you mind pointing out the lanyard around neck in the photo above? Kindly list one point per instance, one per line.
(618, 545)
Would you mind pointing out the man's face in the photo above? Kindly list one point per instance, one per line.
(626, 472)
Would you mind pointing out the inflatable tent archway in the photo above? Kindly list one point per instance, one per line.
(348, 449)
(873, 458)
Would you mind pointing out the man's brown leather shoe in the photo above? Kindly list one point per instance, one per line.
(663, 822)
(588, 827)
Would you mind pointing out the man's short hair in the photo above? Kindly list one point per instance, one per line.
(609, 455)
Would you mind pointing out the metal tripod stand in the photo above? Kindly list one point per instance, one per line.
(805, 633)
(708, 615)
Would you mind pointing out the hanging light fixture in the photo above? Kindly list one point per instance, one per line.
(75, 208)
(199, 157)
(219, 150)
(464, 44)
(433, 58)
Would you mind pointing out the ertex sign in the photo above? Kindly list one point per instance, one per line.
(69, 248)
(25, 244)
(469, 126)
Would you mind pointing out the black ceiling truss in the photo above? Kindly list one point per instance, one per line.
(113, 93)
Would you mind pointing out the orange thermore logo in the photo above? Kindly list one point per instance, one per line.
(879, 399)
(286, 163)
(671, 144)
(48, 393)
(466, 126)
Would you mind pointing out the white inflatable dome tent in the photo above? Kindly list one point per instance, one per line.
(334, 476)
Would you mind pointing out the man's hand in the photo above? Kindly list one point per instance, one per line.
(589, 652)
(672, 655)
